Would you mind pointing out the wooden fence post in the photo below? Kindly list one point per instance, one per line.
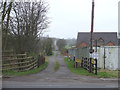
(38, 63)
(82, 63)
(90, 66)
(74, 61)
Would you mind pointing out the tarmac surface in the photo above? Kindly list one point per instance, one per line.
(63, 78)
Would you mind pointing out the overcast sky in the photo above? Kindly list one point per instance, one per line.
(68, 17)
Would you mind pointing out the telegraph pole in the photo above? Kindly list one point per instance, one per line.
(91, 34)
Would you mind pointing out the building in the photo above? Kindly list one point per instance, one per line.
(99, 39)
(107, 56)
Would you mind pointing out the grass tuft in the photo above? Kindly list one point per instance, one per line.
(56, 66)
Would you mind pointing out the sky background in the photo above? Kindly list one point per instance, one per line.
(68, 17)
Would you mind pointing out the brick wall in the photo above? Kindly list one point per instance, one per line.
(83, 44)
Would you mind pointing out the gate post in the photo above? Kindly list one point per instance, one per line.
(90, 66)
(74, 61)
(82, 63)
(38, 63)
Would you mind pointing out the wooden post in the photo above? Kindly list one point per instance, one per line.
(82, 63)
(92, 24)
(38, 63)
(74, 61)
(90, 66)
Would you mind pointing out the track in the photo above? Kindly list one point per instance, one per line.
(63, 78)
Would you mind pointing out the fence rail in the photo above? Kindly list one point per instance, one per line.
(85, 63)
(81, 56)
(20, 62)
(88, 63)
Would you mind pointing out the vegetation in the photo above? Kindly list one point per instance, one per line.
(81, 71)
(71, 42)
(33, 55)
(23, 24)
(13, 73)
(47, 46)
(56, 66)
(5, 14)
(61, 44)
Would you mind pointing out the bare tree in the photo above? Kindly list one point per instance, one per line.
(5, 12)
(27, 22)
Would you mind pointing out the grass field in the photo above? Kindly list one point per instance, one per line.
(81, 71)
(56, 66)
(13, 73)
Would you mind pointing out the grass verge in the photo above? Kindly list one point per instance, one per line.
(56, 66)
(13, 73)
(82, 71)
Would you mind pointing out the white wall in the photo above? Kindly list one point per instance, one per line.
(111, 54)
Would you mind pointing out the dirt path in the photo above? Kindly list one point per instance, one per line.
(48, 78)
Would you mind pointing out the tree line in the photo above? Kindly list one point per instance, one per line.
(23, 24)
(61, 44)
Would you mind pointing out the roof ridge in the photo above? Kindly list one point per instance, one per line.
(107, 36)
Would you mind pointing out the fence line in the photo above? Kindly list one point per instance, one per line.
(89, 64)
(20, 62)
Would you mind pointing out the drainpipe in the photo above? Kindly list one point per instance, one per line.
(104, 57)
(96, 45)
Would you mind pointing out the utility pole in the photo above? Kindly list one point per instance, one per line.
(91, 34)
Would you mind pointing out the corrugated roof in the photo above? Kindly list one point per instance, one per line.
(106, 36)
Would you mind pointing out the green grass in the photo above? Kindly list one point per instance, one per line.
(56, 66)
(81, 71)
(52, 53)
(13, 73)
